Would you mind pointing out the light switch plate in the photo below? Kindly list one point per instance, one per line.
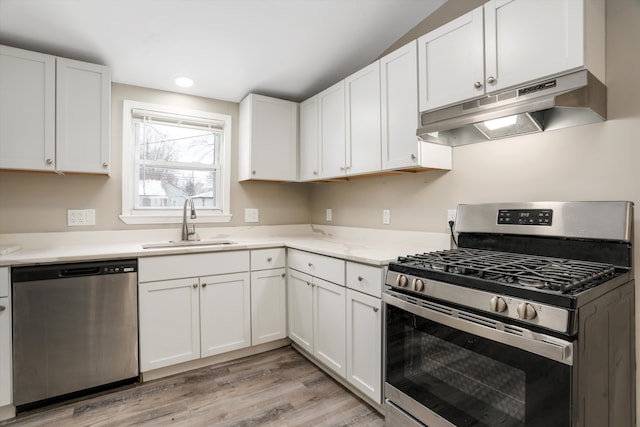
(251, 215)
(78, 217)
(386, 216)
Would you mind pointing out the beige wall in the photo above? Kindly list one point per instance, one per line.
(34, 202)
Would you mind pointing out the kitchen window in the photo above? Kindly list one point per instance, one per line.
(171, 154)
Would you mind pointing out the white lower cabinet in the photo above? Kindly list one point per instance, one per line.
(268, 306)
(5, 339)
(196, 315)
(364, 343)
(317, 319)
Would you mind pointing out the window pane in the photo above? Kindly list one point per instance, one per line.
(168, 187)
(170, 143)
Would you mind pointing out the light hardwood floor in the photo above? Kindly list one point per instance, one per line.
(277, 388)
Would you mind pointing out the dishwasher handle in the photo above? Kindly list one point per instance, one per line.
(80, 271)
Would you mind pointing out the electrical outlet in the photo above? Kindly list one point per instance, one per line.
(329, 214)
(386, 216)
(451, 215)
(78, 217)
(251, 215)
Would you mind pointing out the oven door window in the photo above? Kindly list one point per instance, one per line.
(472, 381)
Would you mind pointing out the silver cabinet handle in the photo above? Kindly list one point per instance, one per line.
(204, 285)
(195, 285)
(49, 161)
(491, 80)
(477, 85)
(375, 309)
(2, 308)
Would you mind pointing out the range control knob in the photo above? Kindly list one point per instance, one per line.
(526, 311)
(402, 281)
(418, 285)
(497, 304)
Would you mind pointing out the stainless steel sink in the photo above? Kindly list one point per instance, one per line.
(187, 243)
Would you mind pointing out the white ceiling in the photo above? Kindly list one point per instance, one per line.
(285, 48)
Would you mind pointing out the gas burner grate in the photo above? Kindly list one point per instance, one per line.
(555, 274)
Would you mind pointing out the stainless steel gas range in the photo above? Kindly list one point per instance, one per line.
(528, 322)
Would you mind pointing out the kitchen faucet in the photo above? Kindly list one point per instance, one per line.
(185, 228)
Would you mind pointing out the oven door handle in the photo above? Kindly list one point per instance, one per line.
(543, 345)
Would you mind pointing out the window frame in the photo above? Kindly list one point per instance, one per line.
(131, 215)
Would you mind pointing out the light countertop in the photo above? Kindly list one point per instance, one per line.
(370, 246)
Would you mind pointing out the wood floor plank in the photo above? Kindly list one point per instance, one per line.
(277, 388)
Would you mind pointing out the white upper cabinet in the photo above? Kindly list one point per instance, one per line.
(363, 141)
(27, 110)
(331, 131)
(451, 61)
(506, 43)
(268, 139)
(401, 148)
(309, 155)
(54, 113)
(83, 105)
(528, 40)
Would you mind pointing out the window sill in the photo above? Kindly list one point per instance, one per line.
(172, 219)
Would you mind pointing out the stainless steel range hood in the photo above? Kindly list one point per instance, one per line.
(570, 100)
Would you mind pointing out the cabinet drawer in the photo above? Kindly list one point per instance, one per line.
(4, 282)
(365, 278)
(265, 259)
(324, 267)
(193, 265)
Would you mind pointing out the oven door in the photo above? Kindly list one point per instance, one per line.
(447, 367)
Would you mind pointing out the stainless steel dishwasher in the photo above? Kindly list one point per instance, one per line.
(75, 329)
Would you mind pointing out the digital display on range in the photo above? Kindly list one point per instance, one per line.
(525, 216)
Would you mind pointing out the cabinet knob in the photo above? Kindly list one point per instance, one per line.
(375, 309)
(342, 168)
(491, 80)
(2, 308)
(283, 275)
(477, 85)
(269, 259)
(315, 172)
(195, 286)
(413, 157)
(105, 164)
(360, 278)
(310, 265)
(253, 172)
(204, 285)
(308, 283)
(49, 161)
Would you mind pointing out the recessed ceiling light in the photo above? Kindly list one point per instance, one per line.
(184, 81)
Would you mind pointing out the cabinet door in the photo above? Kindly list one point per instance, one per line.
(309, 160)
(451, 62)
(83, 106)
(331, 131)
(268, 306)
(27, 110)
(399, 90)
(169, 323)
(364, 341)
(268, 139)
(300, 309)
(225, 313)
(518, 51)
(5, 352)
(329, 325)
(362, 97)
